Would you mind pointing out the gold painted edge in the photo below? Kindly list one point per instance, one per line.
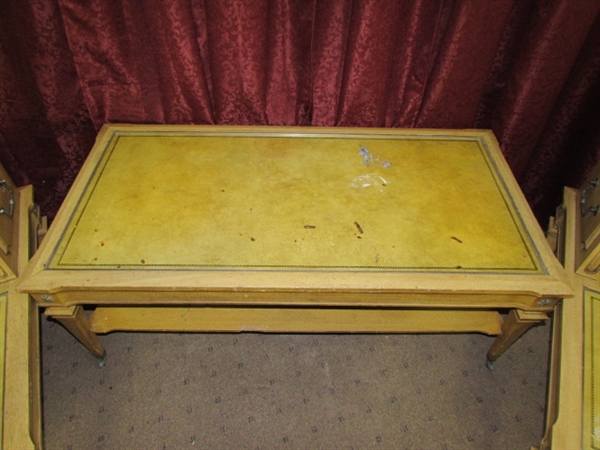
(511, 206)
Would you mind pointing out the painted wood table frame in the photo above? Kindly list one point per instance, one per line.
(20, 384)
(573, 410)
(269, 229)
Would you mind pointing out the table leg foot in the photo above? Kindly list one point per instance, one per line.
(490, 365)
(515, 325)
(74, 319)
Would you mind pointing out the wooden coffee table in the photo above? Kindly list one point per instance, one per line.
(268, 229)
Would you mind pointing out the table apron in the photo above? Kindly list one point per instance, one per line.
(372, 299)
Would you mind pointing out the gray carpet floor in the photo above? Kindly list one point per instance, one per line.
(263, 391)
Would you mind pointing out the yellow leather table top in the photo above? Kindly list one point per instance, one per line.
(188, 214)
(195, 198)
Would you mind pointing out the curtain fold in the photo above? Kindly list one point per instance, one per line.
(545, 56)
(45, 126)
(526, 69)
(466, 52)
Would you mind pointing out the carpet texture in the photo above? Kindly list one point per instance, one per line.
(263, 391)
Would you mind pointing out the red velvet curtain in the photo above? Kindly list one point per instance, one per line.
(529, 70)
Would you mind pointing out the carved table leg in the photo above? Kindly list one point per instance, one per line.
(515, 325)
(74, 319)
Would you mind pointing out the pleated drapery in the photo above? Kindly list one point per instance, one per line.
(529, 70)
